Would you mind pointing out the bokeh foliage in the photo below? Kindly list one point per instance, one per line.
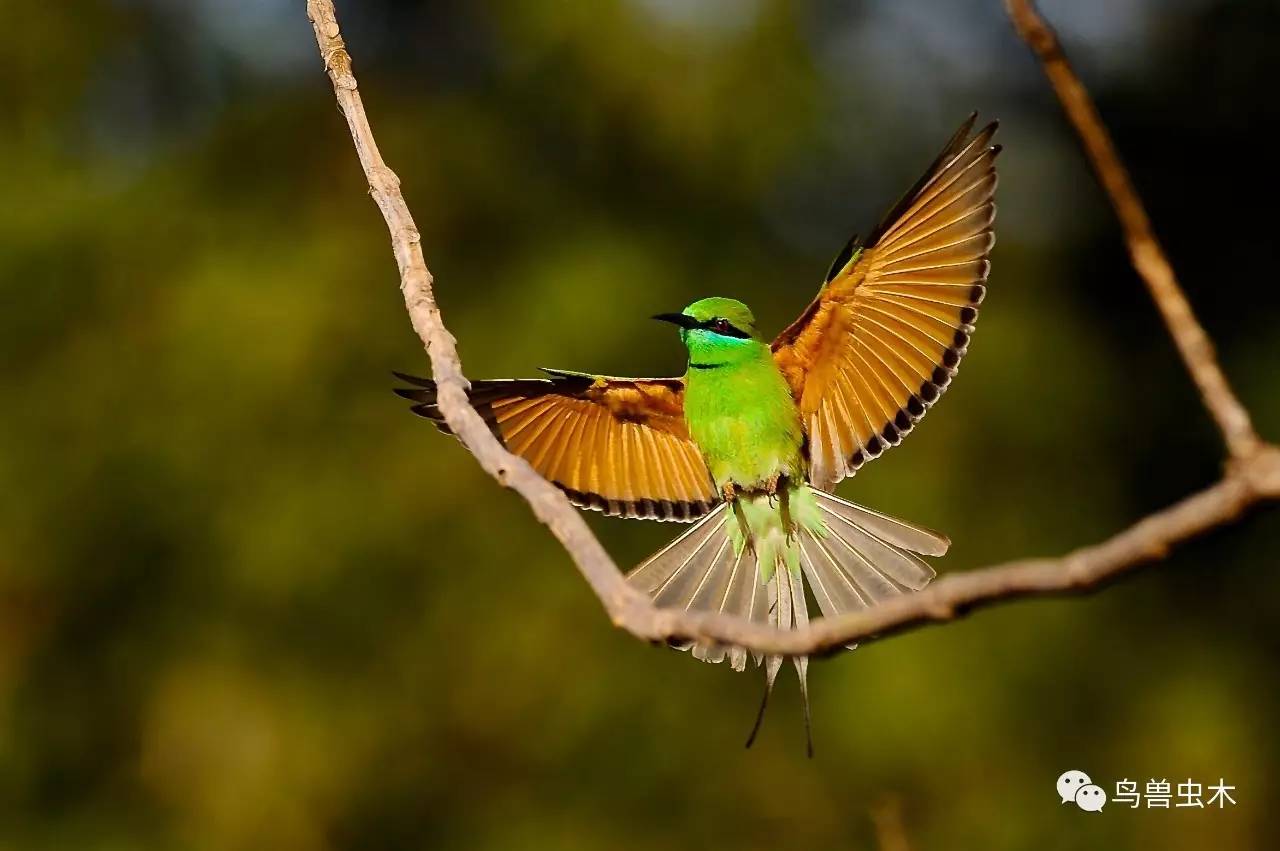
(247, 601)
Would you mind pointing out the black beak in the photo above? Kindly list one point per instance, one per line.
(681, 319)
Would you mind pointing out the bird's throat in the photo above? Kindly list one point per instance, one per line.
(744, 420)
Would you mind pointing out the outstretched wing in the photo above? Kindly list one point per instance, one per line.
(617, 445)
(881, 341)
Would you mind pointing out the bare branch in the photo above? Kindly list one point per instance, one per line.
(548, 504)
(1252, 476)
(956, 595)
(1144, 249)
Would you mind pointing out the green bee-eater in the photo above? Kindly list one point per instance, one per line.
(750, 442)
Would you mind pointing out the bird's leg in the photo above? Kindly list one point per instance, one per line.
(771, 488)
(731, 496)
(785, 500)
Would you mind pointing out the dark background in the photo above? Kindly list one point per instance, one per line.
(247, 601)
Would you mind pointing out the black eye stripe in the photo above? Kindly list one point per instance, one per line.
(723, 327)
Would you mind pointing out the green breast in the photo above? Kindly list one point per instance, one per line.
(744, 420)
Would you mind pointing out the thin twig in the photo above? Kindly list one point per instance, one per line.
(1252, 477)
(1144, 249)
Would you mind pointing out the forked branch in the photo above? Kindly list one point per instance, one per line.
(1252, 474)
(1145, 253)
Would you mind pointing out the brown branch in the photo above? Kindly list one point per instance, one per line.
(1252, 477)
(1144, 249)
(954, 596)
(548, 504)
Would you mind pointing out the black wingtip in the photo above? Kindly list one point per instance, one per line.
(415, 394)
(431, 412)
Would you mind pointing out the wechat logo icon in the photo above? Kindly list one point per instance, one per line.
(1076, 786)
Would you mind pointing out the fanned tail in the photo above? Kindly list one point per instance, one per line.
(855, 557)
(743, 562)
(703, 570)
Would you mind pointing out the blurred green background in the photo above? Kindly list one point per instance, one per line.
(248, 601)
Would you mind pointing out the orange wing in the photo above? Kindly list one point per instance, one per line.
(880, 343)
(617, 445)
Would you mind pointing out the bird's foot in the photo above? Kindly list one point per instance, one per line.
(785, 499)
(771, 488)
(729, 492)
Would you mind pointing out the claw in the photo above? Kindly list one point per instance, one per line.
(785, 499)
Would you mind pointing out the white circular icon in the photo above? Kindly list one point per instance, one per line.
(1091, 798)
(1070, 783)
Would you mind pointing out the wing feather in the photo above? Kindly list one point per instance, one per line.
(617, 445)
(880, 343)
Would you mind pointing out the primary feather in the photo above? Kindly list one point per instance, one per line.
(616, 445)
(882, 340)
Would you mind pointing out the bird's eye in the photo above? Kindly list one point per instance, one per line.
(720, 326)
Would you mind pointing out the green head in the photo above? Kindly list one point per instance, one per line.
(717, 331)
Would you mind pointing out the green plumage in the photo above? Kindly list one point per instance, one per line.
(743, 418)
(738, 406)
(754, 558)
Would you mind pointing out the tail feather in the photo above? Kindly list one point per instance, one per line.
(669, 571)
(800, 614)
(708, 591)
(891, 530)
(710, 595)
(728, 587)
(845, 556)
(864, 556)
(781, 616)
(851, 557)
(702, 570)
(758, 611)
(902, 566)
(832, 587)
(781, 613)
(744, 597)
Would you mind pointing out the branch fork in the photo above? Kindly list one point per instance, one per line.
(1252, 468)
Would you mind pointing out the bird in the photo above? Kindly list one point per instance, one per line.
(749, 444)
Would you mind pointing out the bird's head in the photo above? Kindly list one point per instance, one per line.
(716, 331)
